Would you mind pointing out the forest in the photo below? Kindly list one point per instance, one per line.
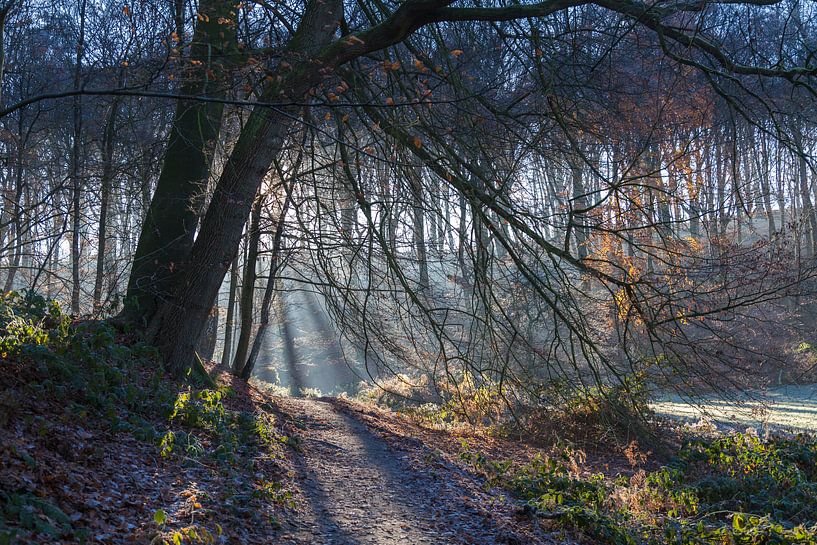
(408, 271)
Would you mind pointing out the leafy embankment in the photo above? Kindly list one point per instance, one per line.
(97, 444)
(735, 489)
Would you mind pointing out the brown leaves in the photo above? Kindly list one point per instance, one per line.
(390, 66)
(353, 40)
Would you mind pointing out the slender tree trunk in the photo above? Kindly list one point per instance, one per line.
(288, 186)
(419, 226)
(230, 322)
(810, 221)
(105, 198)
(15, 235)
(269, 292)
(248, 286)
(579, 203)
(5, 8)
(76, 182)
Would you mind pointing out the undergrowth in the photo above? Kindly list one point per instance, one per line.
(734, 489)
(98, 379)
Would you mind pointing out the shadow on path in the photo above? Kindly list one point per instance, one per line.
(359, 491)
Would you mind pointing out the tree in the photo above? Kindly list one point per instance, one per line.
(170, 225)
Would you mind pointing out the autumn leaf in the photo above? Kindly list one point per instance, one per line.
(390, 101)
(160, 517)
(417, 142)
(456, 53)
(126, 10)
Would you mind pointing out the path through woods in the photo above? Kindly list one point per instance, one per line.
(358, 488)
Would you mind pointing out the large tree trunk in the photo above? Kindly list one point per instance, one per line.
(170, 225)
(261, 140)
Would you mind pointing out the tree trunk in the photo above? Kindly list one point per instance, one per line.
(227, 352)
(579, 203)
(170, 225)
(5, 8)
(418, 229)
(207, 340)
(275, 262)
(105, 197)
(809, 219)
(260, 142)
(248, 286)
(76, 183)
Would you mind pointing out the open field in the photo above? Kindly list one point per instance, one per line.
(791, 407)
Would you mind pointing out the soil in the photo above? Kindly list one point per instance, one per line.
(358, 487)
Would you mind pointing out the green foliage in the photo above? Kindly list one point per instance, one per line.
(735, 489)
(273, 492)
(88, 372)
(30, 512)
(160, 517)
(210, 428)
(28, 322)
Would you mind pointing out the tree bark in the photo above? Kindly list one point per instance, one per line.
(170, 225)
(248, 286)
(76, 182)
(5, 9)
(259, 143)
(105, 198)
(229, 324)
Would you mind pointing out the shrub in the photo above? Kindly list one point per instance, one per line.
(733, 489)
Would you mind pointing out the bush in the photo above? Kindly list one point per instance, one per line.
(734, 489)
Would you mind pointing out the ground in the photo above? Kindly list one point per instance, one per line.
(362, 485)
(789, 407)
(335, 473)
(250, 467)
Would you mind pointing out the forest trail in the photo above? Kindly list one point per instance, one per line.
(358, 488)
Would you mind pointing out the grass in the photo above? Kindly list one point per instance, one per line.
(792, 407)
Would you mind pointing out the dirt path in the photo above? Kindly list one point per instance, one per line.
(359, 489)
